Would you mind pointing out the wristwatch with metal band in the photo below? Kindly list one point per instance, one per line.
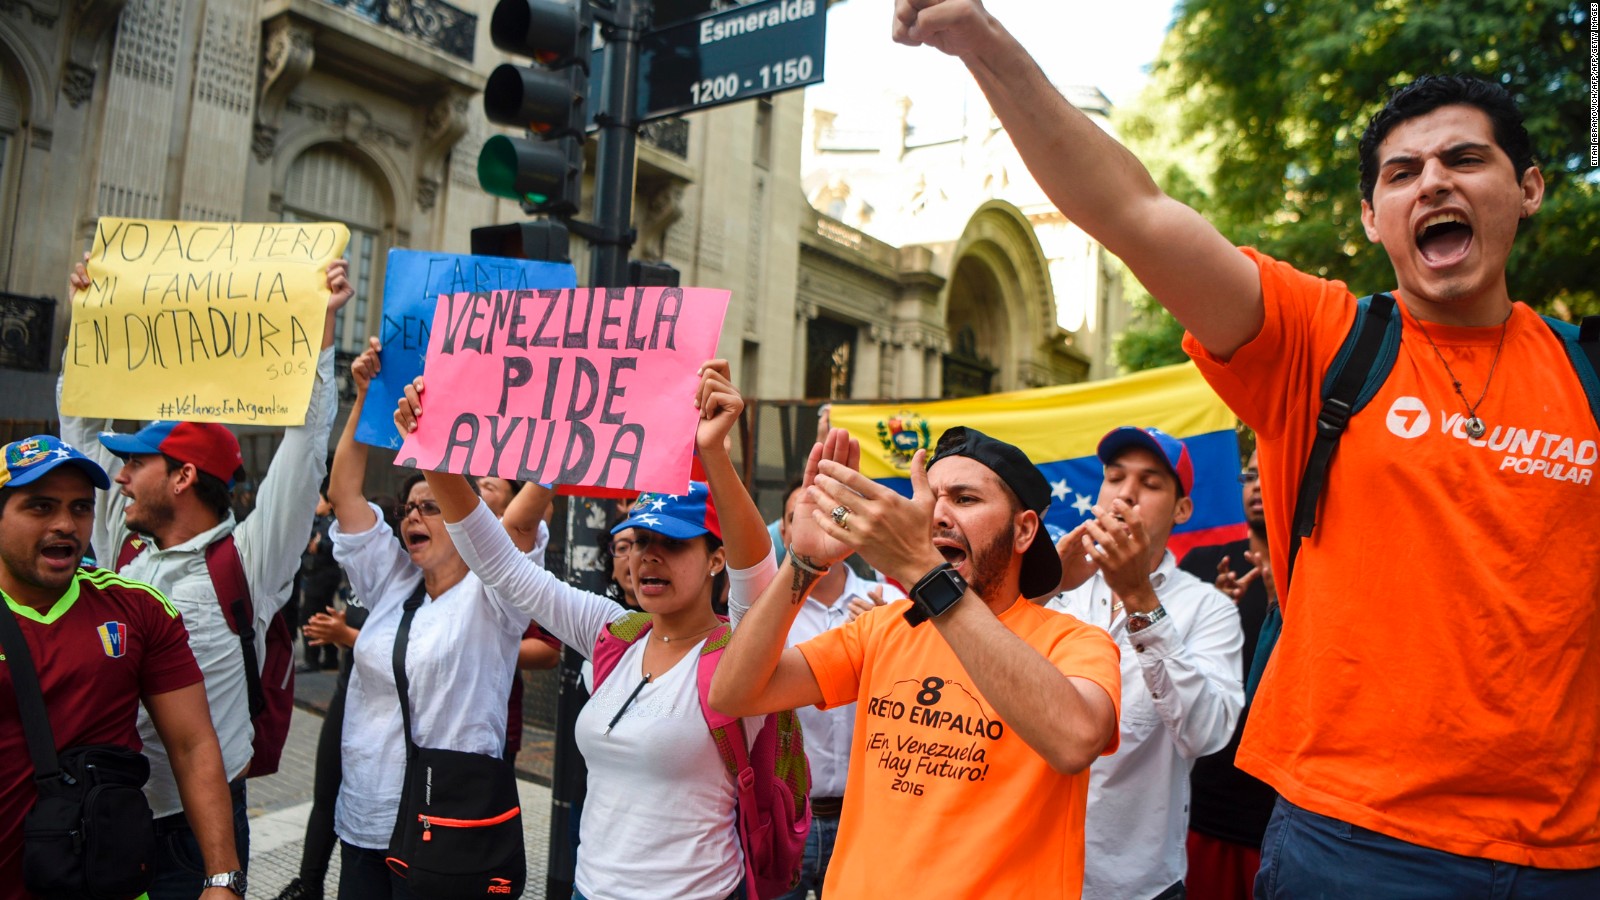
(935, 594)
(233, 881)
(1139, 621)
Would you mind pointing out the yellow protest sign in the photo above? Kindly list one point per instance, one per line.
(201, 321)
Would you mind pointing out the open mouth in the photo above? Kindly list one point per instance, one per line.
(417, 540)
(954, 552)
(651, 586)
(61, 553)
(1444, 238)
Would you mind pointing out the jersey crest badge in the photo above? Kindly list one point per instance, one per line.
(114, 639)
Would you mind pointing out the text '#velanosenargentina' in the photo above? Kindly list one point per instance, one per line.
(552, 398)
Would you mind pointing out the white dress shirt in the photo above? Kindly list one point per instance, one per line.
(1181, 698)
(270, 542)
(461, 655)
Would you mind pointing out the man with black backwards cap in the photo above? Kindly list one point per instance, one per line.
(174, 501)
(100, 644)
(977, 713)
(1180, 640)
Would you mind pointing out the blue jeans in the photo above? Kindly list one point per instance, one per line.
(819, 852)
(179, 867)
(1313, 856)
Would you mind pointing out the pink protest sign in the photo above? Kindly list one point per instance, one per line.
(579, 386)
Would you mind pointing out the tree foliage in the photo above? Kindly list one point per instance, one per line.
(1265, 101)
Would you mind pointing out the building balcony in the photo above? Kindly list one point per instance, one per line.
(436, 24)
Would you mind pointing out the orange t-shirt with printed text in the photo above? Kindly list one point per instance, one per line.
(1438, 677)
(943, 799)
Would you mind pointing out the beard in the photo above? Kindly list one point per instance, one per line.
(147, 516)
(991, 562)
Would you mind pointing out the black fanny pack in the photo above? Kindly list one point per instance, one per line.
(459, 829)
(90, 835)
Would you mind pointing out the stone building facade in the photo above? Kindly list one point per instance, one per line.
(368, 112)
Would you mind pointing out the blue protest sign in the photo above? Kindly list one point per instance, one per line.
(412, 284)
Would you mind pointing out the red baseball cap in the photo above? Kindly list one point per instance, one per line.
(207, 446)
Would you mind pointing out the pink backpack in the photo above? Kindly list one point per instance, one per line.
(774, 778)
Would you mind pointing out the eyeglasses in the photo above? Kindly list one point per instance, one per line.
(1249, 476)
(622, 547)
(424, 507)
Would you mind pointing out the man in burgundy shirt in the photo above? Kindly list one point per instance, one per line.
(101, 644)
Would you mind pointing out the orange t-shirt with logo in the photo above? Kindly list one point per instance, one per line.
(942, 796)
(1438, 677)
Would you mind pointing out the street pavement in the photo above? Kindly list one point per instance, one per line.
(280, 803)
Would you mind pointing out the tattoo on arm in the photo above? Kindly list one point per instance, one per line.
(801, 580)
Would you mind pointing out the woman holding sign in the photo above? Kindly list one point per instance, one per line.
(461, 650)
(659, 819)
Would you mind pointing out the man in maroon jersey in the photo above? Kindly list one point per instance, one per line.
(101, 644)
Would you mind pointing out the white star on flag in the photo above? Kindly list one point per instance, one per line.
(1059, 489)
(61, 453)
(658, 505)
(648, 519)
(1082, 505)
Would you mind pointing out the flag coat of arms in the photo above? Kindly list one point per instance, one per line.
(1059, 428)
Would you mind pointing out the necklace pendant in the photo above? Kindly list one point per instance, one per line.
(1475, 427)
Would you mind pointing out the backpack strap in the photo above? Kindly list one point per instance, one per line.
(1358, 371)
(233, 595)
(614, 640)
(1582, 343)
(732, 743)
(30, 698)
(132, 546)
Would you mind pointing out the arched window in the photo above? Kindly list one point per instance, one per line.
(13, 106)
(326, 184)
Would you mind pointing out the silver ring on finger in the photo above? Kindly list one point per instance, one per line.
(841, 514)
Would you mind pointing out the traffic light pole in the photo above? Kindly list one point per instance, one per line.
(617, 116)
(610, 238)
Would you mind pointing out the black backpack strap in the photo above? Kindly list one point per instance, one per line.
(401, 684)
(1351, 382)
(1582, 343)
(30, 698)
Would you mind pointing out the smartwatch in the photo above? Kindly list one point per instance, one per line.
(233, 881)
(935, 594)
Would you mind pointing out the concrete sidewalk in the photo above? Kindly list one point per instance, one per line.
(281, 803)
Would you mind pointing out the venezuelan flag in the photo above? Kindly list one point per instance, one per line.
(1059, 428)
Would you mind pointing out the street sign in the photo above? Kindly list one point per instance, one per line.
(730, 55)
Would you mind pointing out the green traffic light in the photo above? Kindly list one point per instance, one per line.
(497, 167)
(533, 172)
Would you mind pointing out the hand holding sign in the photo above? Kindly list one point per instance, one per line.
(204, 321)
(583, 382)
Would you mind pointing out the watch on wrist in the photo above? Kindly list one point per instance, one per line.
(1139, 621)
(233, 881)
(933, 596)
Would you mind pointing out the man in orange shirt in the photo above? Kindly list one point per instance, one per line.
(977, 713)
(1431, 713)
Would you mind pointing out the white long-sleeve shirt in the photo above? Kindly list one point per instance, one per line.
(270, 542)
(461, 655)
(659, 818)
(1181, 697)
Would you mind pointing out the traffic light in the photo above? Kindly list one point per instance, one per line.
(541, 239)
(544, 170)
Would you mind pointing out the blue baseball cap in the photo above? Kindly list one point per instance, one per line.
(679, 517)
(31, 458)
(1167, 448)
